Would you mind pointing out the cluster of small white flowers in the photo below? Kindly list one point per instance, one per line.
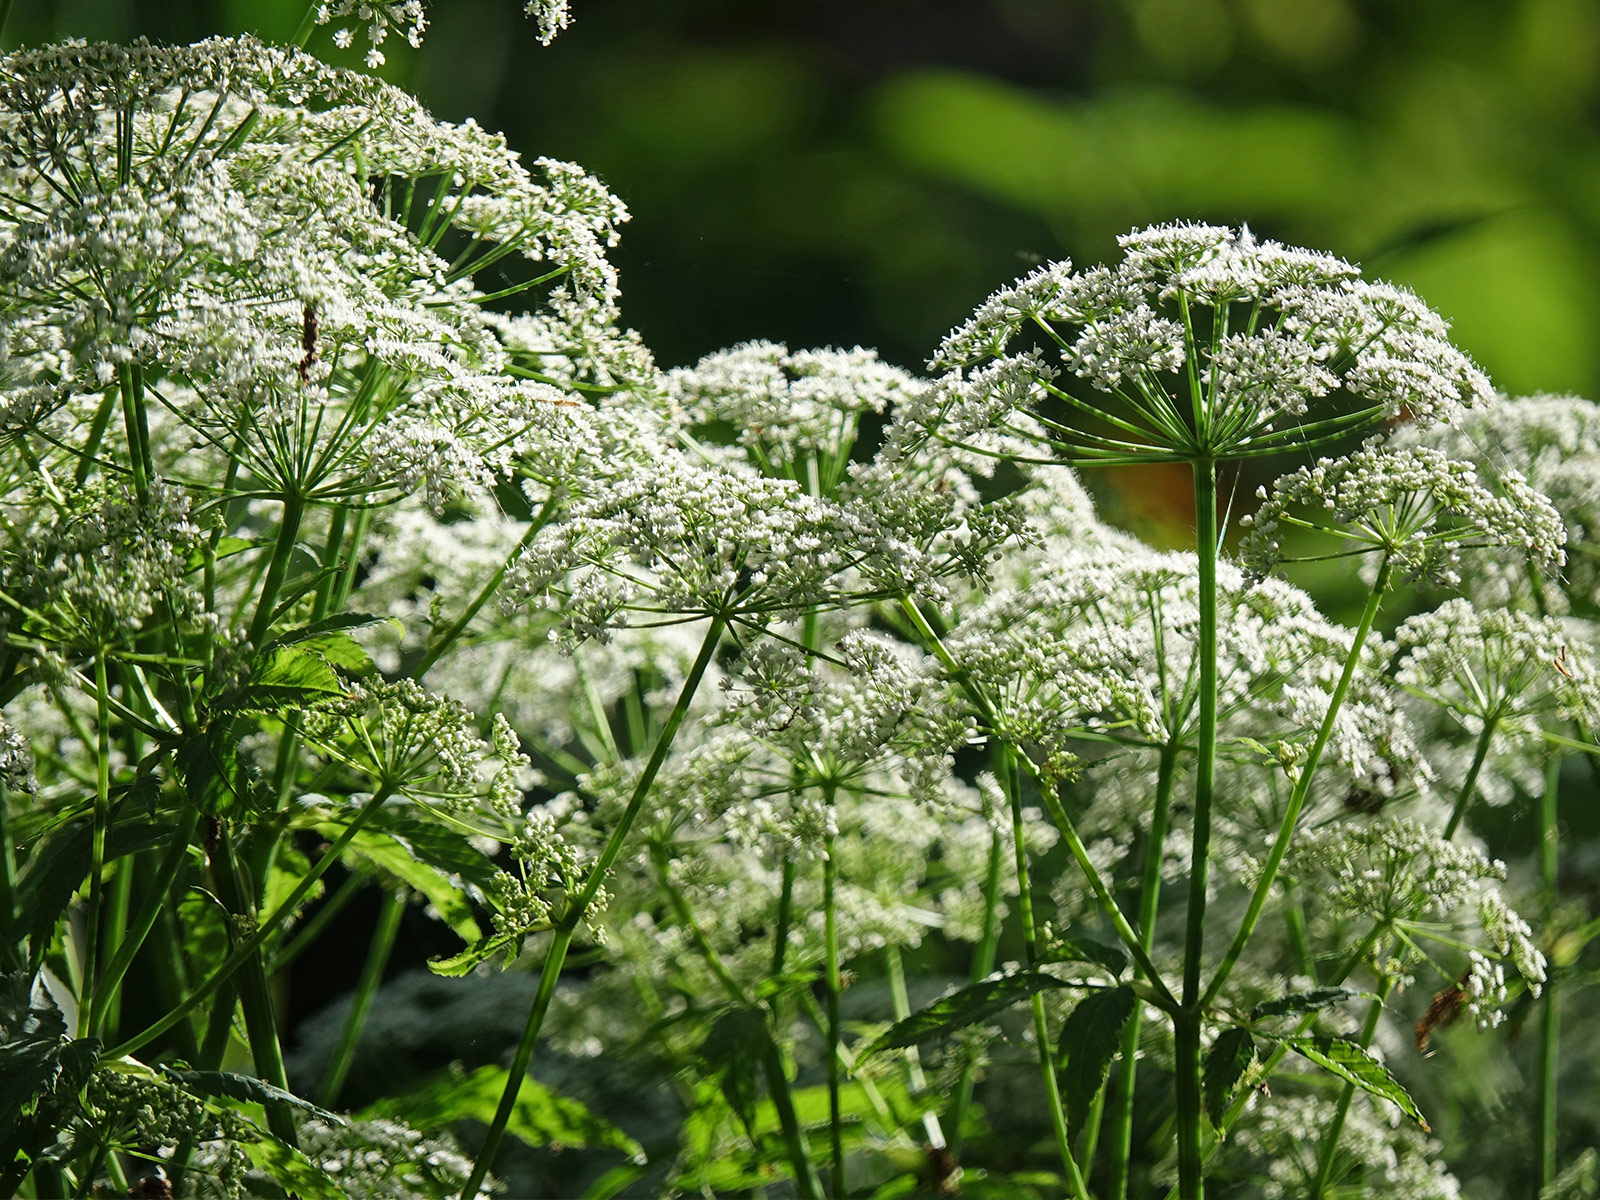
(1554, 443)
(1498, 665)
(386, 1159)
(553, 16)
(16, 761)
(1401, 873)
(1413, 505)
(1313, 327)
(404, 16)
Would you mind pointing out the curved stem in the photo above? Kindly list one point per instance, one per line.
(294, 508)
(1470, 784)
(1149, 901)
(1302, 787)
(561, 941)
(97, 850)
(1330, 1140)
(1549, 1002)
(982, 965)
(834, 985)
(391, 910)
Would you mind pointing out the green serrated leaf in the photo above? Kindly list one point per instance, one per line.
(540, 1118)
(1353, 1064)
(208, 764)
(732, 1053)
(375, 851)
(1090, 1039)
(1229, 1058)
(292, 1171)
(1301, 1002)
(245, 1088)
(60, 864)
(958, 1010)
(480, 951)
(1112, 958)
(289, 676)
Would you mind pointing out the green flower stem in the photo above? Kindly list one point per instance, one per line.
(780, 936)
(107, 997)
(1550, 1000)
(255, 992)
(97, 844)
(156, 899)
(294, 507)
(96, 435)
(166, 965)
(312, 928)
(1121, 1146)
(1470, 784)
(1330, 1140)
(264, 930)
(1053, 806)
(1186, 1025)
(10, 944)
(917, 1082)
(1302, 788)
(561, 940)
(391, 910)
(834, 986)
(1011, 781)
(307, 26)
(982, 966)
(136, 424)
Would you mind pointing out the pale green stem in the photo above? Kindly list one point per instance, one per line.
(566, 928)
(1302, 787)
(308, 25)
(900, 1001)
(282, 551)
(1549, 1001)
(107, 997)
(1330, 1140)
(1470, 784)
(982, 965)
(834, 985)
(264, 930)
(392, 909)
(97, 850)
(136, 426)
(1011, 781)
(1186, 1024)
(1149, 901)
(10, 944)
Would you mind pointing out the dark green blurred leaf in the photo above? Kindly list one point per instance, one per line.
(1229, 1058)
(1112, 958)
(1301, 1002)
(958, 1010)
(1090, 1038)
(1354, 1065)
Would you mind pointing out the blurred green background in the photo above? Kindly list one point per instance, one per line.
(865, 171)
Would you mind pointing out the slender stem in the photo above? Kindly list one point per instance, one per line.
(1302, 788)
(391, 910)
(556, 956)
(308, 23)
(780, 936)
(1011, 781)
(97, 432)
(107, 997)
(1470, 783)
(437, 649)
(900, 1001)
(150, 909)
(10, 944)
(1149, 901)
(263, 931)
(834, 986)
(982, 965)
(5, 13)
(136, 426)
(294, 508)
(1549, 1001)
(314, 925)
(1330, 1140)
(97, 851)
(1186, 1029)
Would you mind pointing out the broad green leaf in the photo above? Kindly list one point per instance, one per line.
(60, 865)
(338, 623)
(1301, 1002)
(1090, 1039)
(292, 1171)
(1229, 1058)
(245, 1088)
(970, 1005)
(377, 852)
(1354, 1065)
(208, 764)
(540, 1118)
(287, 677)
(1112, 958)
(732, 1053)
(480, 951)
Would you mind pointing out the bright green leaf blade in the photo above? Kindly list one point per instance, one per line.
(966, 1007)
(1354, 1065)
(1301, 1002)
(376, 852)
(480, 951)
(291, 1170)
(1112, 958)
(1229, 1058)
(1089, 1040)
(246, 1088)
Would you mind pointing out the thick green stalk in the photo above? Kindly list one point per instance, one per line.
(97, 850)
(255, 992)
(780, 937)
(393, 908)
(294, 508)
(561, 940)
(1302, 787)
(107, 997)
(136, 425)
(1121, 1147)
(264, 929)
(835, 985)
(1549, 1001)
(1470, 784)
(1330, 1140)
(982, 965)
(1011, 781)
(1186, 1025)
(900, 1002)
